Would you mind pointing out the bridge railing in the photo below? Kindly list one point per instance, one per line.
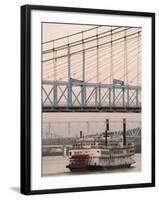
(79, 95)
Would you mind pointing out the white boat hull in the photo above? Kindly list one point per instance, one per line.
(111, 161)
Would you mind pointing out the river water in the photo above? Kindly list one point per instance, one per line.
(56, 165)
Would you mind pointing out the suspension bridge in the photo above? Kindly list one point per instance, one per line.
(96, 69)
(55, 130)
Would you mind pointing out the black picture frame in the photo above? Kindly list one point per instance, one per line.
(25, 184)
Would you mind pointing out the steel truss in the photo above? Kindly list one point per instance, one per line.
(77, 95)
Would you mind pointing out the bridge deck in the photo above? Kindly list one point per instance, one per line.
(91, 109)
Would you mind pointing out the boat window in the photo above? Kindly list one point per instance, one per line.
(118, 152)
(104, 152)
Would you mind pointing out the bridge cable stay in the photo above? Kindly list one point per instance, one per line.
(60, 38)
(92, 64)
(78, 42)
(88, 48)
(107, 45)
(75, 70)
(88, 67)
(46, 64)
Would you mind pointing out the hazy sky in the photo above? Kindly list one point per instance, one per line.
(53, 31)
(49, 117)
(58, 122)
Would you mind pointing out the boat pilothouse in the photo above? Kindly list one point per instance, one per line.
(104, 150)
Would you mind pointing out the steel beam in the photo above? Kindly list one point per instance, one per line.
(90, 97)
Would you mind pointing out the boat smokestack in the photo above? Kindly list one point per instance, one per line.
(81, 134)
(124, 132)
(106, 132)
(107, 124)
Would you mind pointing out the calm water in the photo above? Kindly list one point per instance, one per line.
(56, 165)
